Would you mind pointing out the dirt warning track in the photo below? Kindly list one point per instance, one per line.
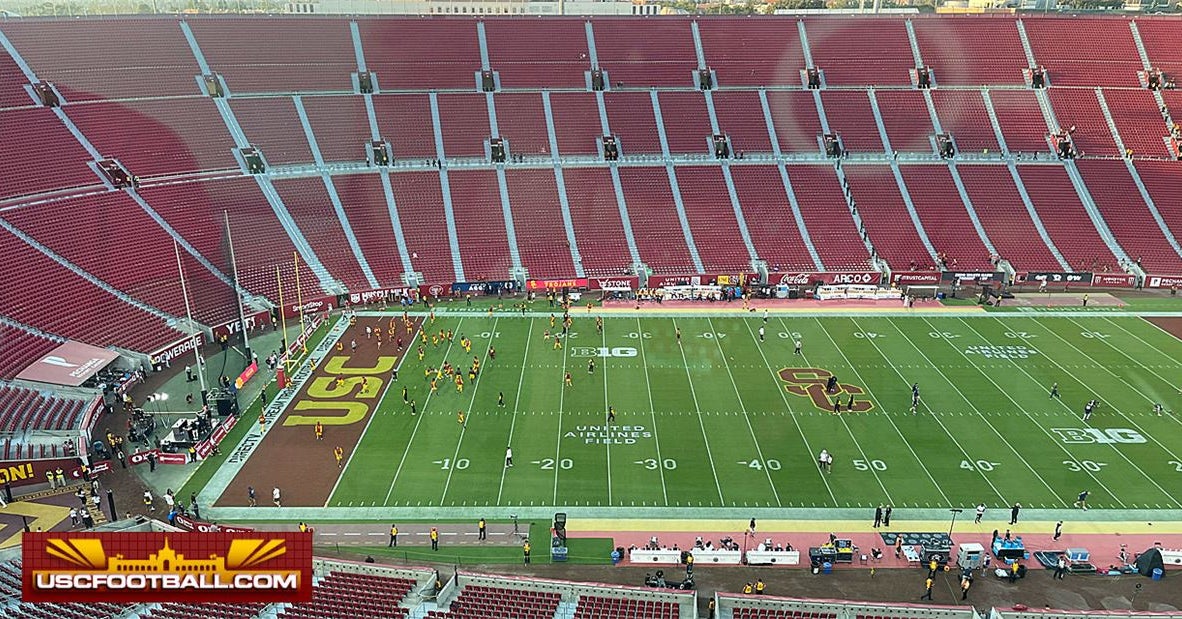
(343, 391)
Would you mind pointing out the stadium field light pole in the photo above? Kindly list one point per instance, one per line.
(189, 315)
(295, 260)
(237, 294)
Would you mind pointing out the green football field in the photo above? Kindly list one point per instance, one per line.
(721, 419)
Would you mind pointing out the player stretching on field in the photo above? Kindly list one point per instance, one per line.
(914, 397)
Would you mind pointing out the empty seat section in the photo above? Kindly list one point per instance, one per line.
(19, 348)
(907, 120)
(38, 154)
(577, 124)
(346, 594)
(1084, 52)
(537, 221)
(364, 201)
(308, 202)
(774, 41)
(886, 217)
(770, 221)
(1161, 179)
(341, 126)
(655, 223)
(963, 115)
(740, 116)
(195, 210)
(521, 120)
(420, 208)
(1139, 121)
(12, 83)
(861, 52)
(77, 56)
(406, 54)
(1116, 195)
(1160, 37)
(463, 119)
(630, 116)
(795, 119)
(827, 217)
(851, 117)
(273, 126)
(712, 219)
(479, 602)
(595, 213)
(480, 225)
(405, 121)
(102, 319)
(158, 136)
(1065, 218)
(257, 54)
(538, 54)
(945, 218)
(644, 53)
(687, 122)
(1079, 109)
(1021, 120)
(596, 607)
(128, 251)
(971, 51)
(1005, 219)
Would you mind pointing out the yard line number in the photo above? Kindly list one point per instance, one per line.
(868, 465)
(1092, 466)
(1177, 465)
(652, 464)
(447, 464)
(770, 464)
(979, 465)
(548, 464)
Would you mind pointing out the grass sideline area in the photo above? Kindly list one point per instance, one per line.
(580, 551)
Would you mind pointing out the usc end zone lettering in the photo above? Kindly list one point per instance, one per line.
(326, 402)
(810, 383)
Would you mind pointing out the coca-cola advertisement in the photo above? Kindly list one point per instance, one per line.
(623, 283)
(915, 278)
(1114, 280)
(825, 278)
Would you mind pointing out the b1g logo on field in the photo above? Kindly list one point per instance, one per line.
(810, 383)
(602, 351)
(1096, 435)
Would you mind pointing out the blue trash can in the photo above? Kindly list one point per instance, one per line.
(827, 568)
(1157, 573)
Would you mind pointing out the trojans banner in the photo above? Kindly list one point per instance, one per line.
(555, 284)
(260, 566)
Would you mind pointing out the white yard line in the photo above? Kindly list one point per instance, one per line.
(418, 422)
(858, 375)
(743, 408)
(653, 411)
(606, 402)
(561, 401)
(799, 430)
(516, 405)
(935, 417)
(701, 424)
(1001, 436)
(1050, 436)
(1169, 385)
(492, 335)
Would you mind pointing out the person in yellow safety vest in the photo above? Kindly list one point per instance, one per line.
(689, 564)
(303, 528)
(434, 538)
(748, 588)
(759, 586)
(525, 548)
(393, 536)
